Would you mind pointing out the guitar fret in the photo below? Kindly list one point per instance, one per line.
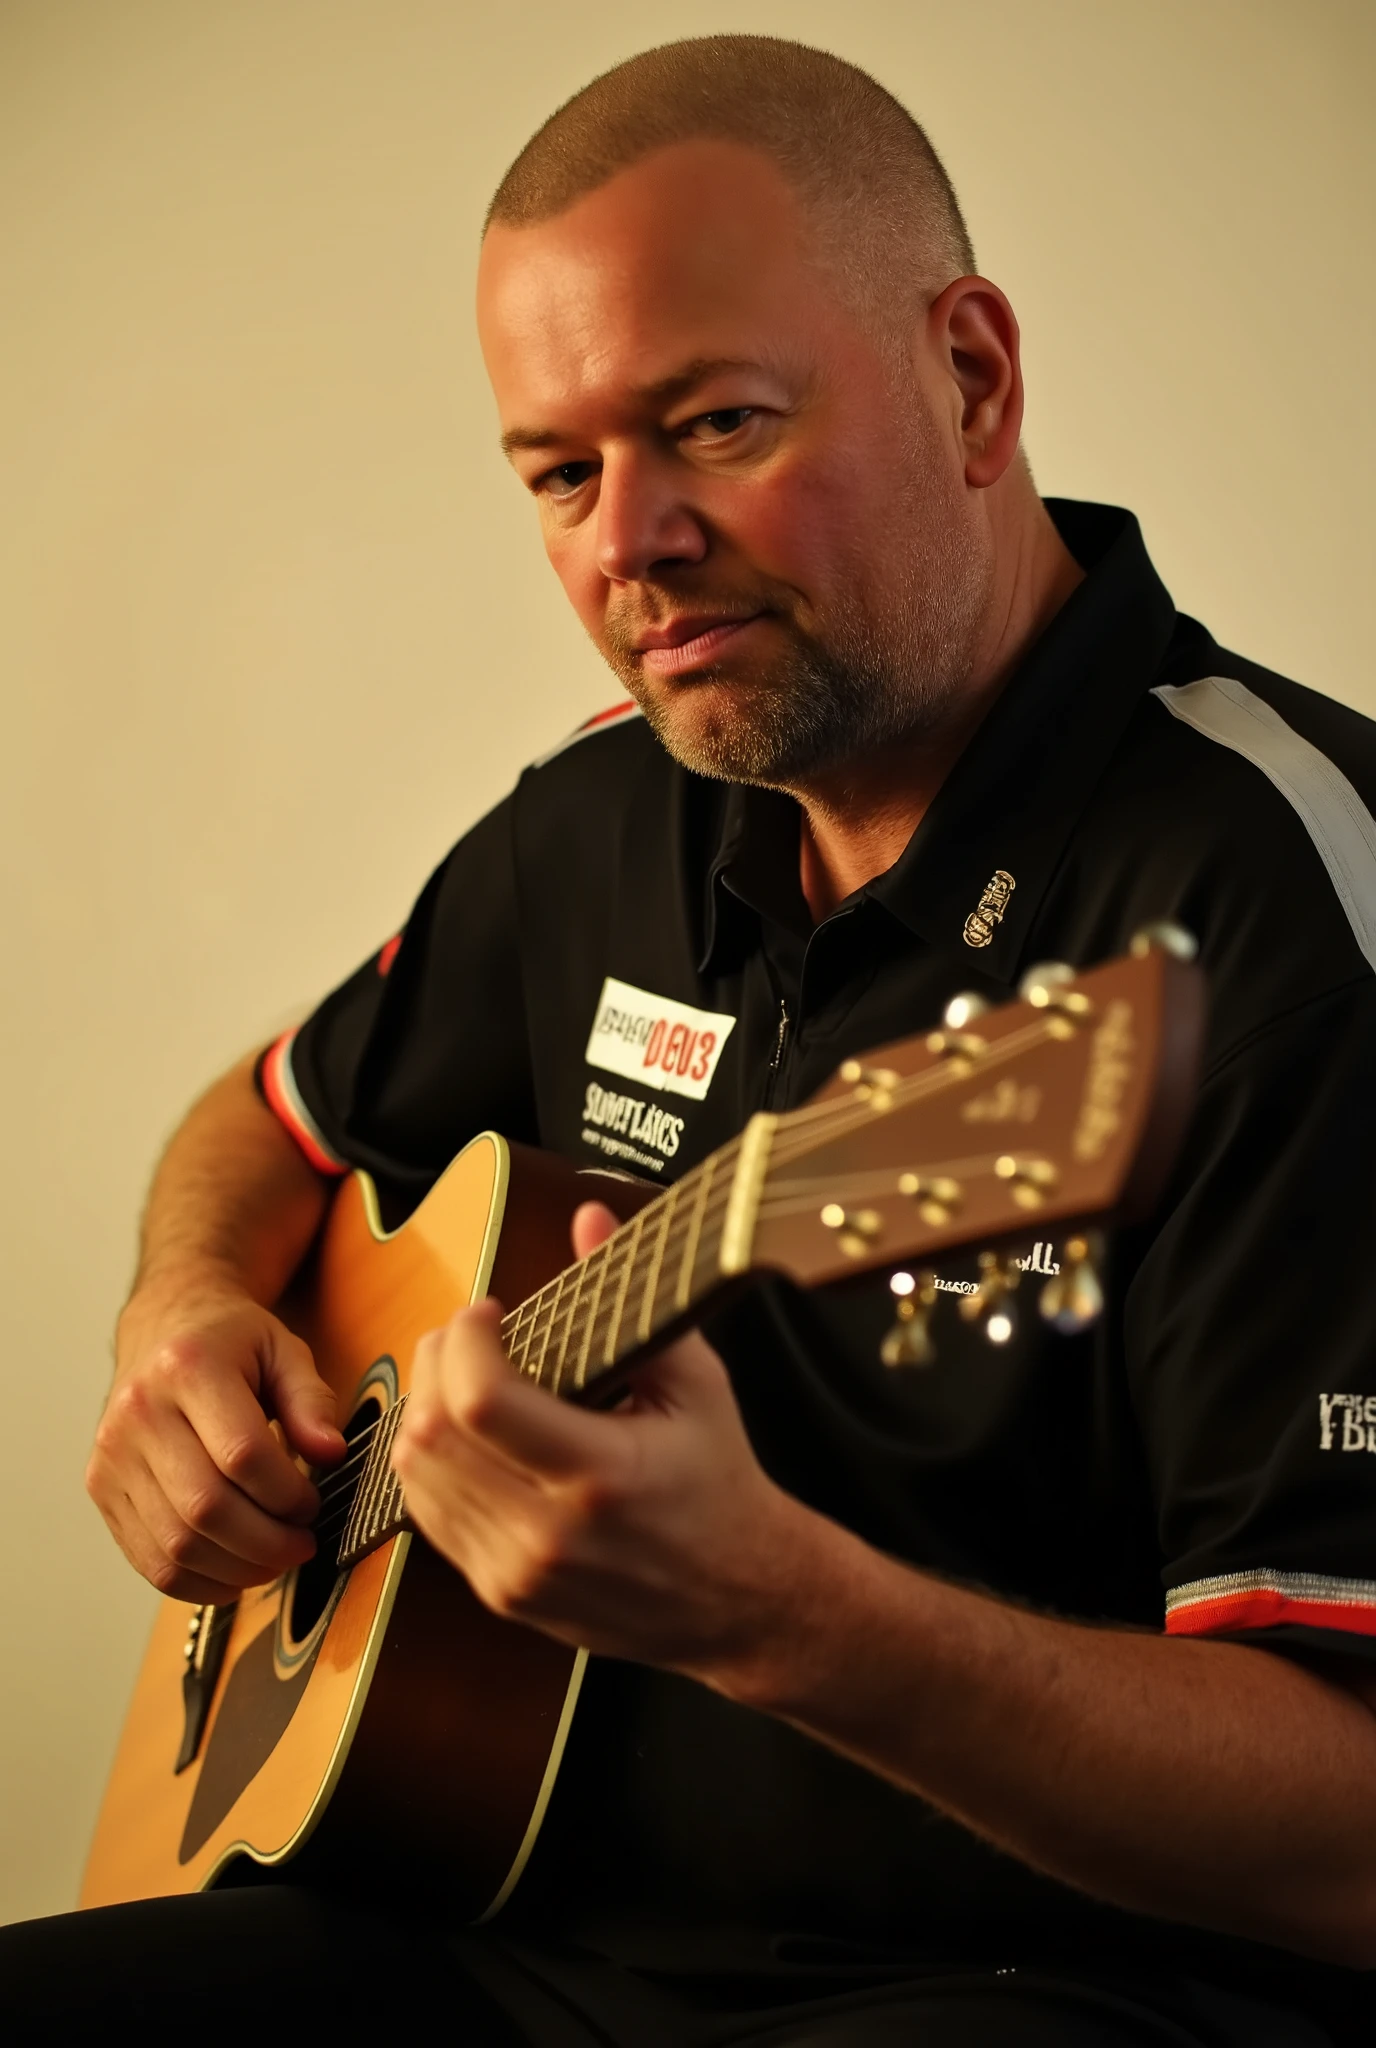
(645, 1320)
(707, 1259)
(518, 1340)
(356, 1523)
(384, 1507)
(578, 1274)
(604, 1325)
(548, 1330)
(683, 1286)
(375, 1476)
(603, 1257)
(614, 1326)
(378, 1510)
(520, 1329)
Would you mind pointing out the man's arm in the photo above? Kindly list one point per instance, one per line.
(1205, 1782)
(201, 1494)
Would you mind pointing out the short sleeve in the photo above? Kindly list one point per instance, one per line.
(1250, 1332)
(427, 1043)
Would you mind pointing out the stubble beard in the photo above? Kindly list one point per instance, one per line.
(862, 677)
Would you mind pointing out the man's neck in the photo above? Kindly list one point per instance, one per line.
(856, 823)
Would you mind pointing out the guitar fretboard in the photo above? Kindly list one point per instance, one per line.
(586, 1321)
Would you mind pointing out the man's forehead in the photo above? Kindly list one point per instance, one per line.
(649, 283)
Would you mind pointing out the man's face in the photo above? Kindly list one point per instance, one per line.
(757, 509)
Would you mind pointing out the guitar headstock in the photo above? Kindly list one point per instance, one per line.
(1061, 1108)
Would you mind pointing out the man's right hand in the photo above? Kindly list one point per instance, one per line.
(193, 1467)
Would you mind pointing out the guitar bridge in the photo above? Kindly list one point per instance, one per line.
(207, 1634)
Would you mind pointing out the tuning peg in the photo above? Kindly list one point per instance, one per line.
(874, 1085)
(1165, 937)
(909, 1342)
(955, 1045)
(1032, 1179)
(990, 1304)
(1047, 987)
(963, 1010)
(1073, 1298)
(937, 1195)
(856, 1229)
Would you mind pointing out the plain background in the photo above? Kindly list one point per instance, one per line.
(274, 623)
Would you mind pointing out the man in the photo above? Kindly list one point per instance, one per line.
(887, 1742)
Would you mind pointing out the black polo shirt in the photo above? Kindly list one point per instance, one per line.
(617, 963)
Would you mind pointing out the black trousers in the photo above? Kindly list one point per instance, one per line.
(278, 1962)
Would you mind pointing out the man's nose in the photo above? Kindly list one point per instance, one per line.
(644, 521)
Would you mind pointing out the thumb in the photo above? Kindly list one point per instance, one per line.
(300, 1399)
(592, 1222)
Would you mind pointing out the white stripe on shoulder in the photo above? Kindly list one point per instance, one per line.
(1339, 823)
(601, 721)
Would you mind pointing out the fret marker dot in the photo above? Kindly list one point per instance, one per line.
(902, 1283)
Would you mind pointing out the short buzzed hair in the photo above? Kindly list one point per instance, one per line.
(857, 158)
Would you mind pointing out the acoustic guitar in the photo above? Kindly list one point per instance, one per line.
(366, 1706)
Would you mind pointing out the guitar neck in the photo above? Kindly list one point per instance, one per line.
(600, 1313)
(1061, 1107)
(652, 1273)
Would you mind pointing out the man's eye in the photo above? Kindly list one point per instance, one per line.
(712, 426)
(567, 478)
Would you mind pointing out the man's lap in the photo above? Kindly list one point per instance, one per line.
(245, 1964)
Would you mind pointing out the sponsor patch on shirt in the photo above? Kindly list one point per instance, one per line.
(651, 1039)
(1347, 1422)
(623, 1125)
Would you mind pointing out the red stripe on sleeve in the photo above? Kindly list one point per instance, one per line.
(283, 1099)
(1265, 1608)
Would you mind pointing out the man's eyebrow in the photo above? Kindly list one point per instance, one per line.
(663, 392)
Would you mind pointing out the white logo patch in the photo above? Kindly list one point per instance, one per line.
(1347, 1420)
(660, 1043)
(1038, 1260)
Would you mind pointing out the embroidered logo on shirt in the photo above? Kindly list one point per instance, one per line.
(1347, 1422)
(662, 1044)
(987, 915)
(622, 1125)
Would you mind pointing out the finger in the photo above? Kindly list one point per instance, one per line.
(300, 1399)
(229, 1421)
(205, 1501)
(686, 1374)
(188, 1550)
(493, 1526)
(151, 1563)
(593, 1222)
(484, 1399)
(450, 1478)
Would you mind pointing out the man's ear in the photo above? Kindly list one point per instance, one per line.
(973, 332)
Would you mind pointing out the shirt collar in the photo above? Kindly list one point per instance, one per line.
(1013, 799)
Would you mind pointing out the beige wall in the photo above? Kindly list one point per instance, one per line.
(273, 624)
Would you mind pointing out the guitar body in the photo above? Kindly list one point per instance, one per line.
(383, 1712)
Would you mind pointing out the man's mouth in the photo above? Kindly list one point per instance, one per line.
(686, 643)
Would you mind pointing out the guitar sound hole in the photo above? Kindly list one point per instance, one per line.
(312, 1586)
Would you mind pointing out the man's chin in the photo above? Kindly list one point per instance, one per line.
(717, 725)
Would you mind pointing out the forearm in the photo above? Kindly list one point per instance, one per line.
(1211, 1783)
(232, 1193)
